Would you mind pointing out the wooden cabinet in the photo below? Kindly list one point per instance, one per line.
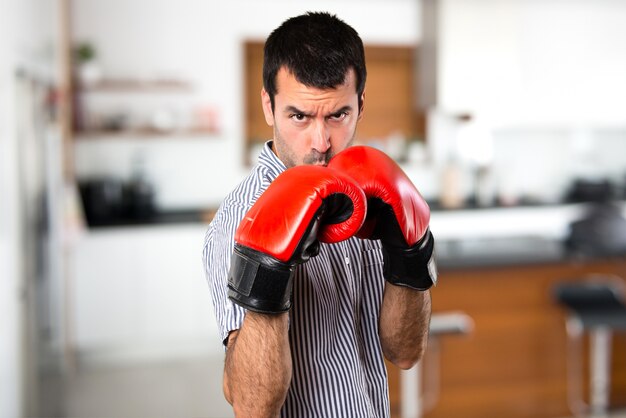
(513, 364)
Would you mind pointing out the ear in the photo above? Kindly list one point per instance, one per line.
(266, 103)
(362, 108)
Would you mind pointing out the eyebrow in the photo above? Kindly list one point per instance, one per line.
(293, 109)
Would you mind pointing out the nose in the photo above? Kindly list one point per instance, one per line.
(321, 137)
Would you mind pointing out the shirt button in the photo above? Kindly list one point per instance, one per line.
(347, 260)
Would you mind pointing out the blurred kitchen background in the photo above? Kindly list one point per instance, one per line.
(123, 123)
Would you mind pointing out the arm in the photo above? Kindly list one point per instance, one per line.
(278, 233)
(257, 372)
(398, 216)
(403, 325)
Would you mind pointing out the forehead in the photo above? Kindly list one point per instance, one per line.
(288, 87)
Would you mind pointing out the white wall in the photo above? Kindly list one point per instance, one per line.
(574, 59)
(478, 62)
(540, 63)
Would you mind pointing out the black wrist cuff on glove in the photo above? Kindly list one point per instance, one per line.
(413, 267)
(259, 282)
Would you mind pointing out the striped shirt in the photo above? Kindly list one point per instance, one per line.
(338, 366)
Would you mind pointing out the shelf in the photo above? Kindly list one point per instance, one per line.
(144, 134)
(138, 86)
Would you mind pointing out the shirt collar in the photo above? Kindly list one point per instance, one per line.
(270, 161)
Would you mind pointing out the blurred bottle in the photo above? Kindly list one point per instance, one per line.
(140, 192)
(484, 189)
(474, 144)
(450, 190)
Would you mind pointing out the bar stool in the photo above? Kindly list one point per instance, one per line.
(596, 305)
(413, 403)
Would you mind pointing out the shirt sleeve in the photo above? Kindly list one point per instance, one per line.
(217, 251)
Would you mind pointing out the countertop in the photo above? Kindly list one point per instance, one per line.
(181, 216)
(472, 238)
(499, 252)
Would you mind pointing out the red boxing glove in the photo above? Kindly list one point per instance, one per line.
(302, 205)
(396, 214)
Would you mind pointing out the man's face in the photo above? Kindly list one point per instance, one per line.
(311, 125)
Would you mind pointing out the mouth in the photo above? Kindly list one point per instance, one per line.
(321, 161)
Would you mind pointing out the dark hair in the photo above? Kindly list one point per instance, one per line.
(318, 48)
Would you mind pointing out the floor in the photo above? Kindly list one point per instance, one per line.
(177, 388)
(183, 388)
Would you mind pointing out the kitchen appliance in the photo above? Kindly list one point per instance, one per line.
(103, 201)
(583, 190)
(600, 232)
(111, 201)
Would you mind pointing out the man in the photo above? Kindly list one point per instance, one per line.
(316, 346)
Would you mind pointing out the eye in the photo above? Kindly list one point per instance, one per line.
(339, 116)
(298, 117)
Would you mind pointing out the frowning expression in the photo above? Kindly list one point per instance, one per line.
(310, 124)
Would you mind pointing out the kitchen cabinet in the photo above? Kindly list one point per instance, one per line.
(141, 291)
(513, 363)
